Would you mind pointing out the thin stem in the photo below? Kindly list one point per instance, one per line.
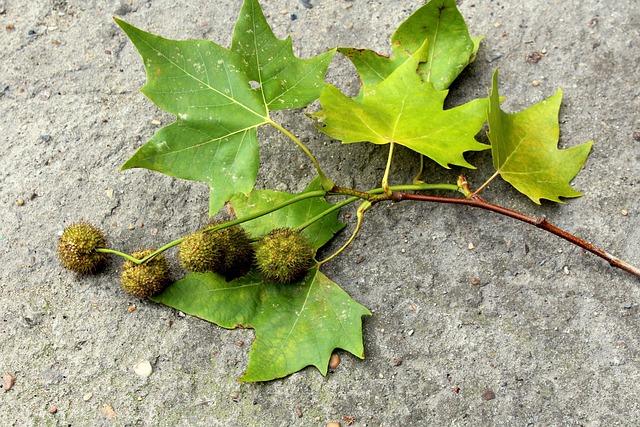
(357, 195)
(371, 195)
(321, 215)
(385, 178)
(360, 219)
(327, 183)
(121, 254)
(418, 178)
(487, 182)
(539, 222)
(299, 197)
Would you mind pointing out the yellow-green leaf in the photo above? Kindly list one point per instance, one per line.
(440, 24)
(405, 109)
(525, 150)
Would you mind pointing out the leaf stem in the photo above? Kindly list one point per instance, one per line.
(370, 197)
(360, 219)
(326, 212)
(387, 169)
(418, 178)
(356, 195)
(539, 222)
(483, 186)
(327, 183)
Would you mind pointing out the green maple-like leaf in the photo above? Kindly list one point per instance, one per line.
(296, 325)
(525, 150)
(450, 50)
(405, 109)
(220, 97)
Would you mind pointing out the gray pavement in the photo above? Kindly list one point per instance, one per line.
(523, 329)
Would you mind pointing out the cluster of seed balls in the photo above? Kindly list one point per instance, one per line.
(283, 256)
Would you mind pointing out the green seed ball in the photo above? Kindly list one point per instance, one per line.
(77, 248)
(236, 252)
(284, 256)
(145, 280)
(199, 252)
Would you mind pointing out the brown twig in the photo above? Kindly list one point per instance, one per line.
(540, 222)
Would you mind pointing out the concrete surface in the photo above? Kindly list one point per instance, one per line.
(552, 332)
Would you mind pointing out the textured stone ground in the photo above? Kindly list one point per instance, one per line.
(552, 332)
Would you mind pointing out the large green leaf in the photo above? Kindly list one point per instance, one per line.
(405, 109)
(220, 97)
(525, 150)
(440, 24)
(319, 233)
(295, 325)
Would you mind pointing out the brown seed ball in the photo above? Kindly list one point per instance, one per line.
(200, 252)
(284, 256)
(77, 248)
(145, 280)
(236, 252)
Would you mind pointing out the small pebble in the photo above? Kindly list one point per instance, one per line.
(410, 333)
(8, 381)
(298, 411)
(624, 212)
(488, 394)
(87, 397)
(348, 419)
(20, 202)
(636, 135)
(53, 409)
(108, 412)
(396, 361)
(131, 227)
(566, 270)
(536, 83)
(333, 424)
(143, 369)
(334, 362)
(471, 246)
(155, 122)
(109, 193)
(475, 281)
(534, 57)
(132, 308)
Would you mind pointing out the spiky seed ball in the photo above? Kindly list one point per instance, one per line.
(199, 252)
(77, 248)
(236, 252)
(145, 280)
(284, 256)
